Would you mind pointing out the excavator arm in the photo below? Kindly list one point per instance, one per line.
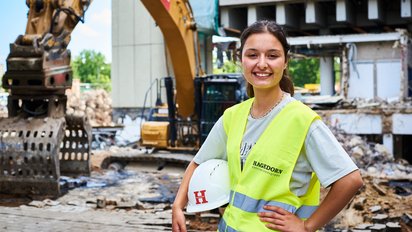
(39, 60)
(175, 20)
(195, 92)
(38, 140)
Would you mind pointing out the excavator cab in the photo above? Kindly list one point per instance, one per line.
(213, 94)
(219, 92)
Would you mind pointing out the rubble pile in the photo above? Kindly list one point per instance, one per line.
(378, 207)
(96, 104)
(384, 203)
(373, 158)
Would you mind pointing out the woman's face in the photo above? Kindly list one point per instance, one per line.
(263, 61)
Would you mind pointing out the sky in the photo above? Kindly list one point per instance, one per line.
(94, 34)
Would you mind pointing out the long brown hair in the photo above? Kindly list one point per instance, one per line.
(273, 28)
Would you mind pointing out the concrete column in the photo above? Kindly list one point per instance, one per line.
(285, 16)
(374, 10)
(406, 9)
(224, 17)
(281, 13)
(327, 79)
(388, 142)
(313, 14)
(251, 14)
(344, 11)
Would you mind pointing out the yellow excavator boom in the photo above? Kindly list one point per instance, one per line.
(175, 19)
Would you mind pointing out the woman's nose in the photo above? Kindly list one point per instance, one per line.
(262, 64)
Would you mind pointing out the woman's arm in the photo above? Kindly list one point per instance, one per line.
(340, 194)
(334, 168)
(213, 148)
(178, 217)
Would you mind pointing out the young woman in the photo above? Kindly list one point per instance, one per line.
(278, 150)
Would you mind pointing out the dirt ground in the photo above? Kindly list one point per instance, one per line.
(143, 189)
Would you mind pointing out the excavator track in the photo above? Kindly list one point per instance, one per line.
(143, 156)
(34, 152)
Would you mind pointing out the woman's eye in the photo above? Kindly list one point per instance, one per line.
(272, 56)
(252, 55)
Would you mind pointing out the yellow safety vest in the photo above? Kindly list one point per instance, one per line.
(266, 174)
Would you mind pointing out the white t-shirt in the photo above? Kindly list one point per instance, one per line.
(321, 152)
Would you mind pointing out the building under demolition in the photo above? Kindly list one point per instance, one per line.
(370, 40)
(375, 81)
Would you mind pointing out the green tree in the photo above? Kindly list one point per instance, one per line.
(91, 67)
(228, 67)
(304, 71)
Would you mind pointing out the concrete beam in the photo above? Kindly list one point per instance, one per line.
(402, 124)
(357, 123)
(344, 12)
(406, 9)
(341, 39)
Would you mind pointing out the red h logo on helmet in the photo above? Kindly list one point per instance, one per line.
(200, 197)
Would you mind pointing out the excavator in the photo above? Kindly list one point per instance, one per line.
(200, 99)
(39, 142)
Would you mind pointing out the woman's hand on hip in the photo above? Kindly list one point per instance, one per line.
(281, 220)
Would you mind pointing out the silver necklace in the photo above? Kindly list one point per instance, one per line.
(267, 112)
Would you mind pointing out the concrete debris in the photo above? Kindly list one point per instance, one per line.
(385, 199)
(130, 132)
(378, 227)
(101, 202)
(393, 227)
(378, 189)
(369, 210)
(373, 158)
(104, 137)
(375, 208)
(76, 203)
(355, 141)
(379, 218)
(51, 202)
(37, 204)
(359, 203)
(363, 226)
(407, 218)
(96, 104)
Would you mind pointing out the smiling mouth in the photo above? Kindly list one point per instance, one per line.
(262, 74)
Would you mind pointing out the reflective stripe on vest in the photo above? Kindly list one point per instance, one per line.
(305, 211)
(251, 205)
(223, 227)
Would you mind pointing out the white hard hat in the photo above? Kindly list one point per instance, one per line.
(209, 186)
